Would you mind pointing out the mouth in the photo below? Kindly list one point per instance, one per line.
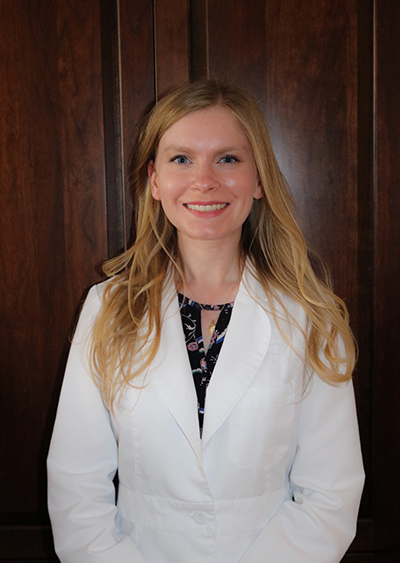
(206, 208)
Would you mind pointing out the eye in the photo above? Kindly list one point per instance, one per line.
(229, 159)
(180, 159)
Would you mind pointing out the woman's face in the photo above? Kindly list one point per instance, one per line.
(205, 176)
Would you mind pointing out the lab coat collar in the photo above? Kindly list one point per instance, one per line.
(243, 350)
(242, 353)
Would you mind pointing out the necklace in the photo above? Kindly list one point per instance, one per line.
(213, 323)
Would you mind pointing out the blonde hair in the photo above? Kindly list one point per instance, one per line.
(126, 333)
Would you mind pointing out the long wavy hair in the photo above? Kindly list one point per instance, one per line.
(127, 329)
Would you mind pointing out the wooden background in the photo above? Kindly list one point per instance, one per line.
(75, 76)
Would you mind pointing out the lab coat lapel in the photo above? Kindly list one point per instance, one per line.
(243, 350)
(172, 375)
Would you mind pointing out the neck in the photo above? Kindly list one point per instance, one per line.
(212, 271)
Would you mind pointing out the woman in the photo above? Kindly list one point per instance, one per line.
(212, 369)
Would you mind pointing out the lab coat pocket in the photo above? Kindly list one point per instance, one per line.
(261, 425)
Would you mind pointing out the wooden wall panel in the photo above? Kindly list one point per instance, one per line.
(386, 349)
(154, 57)
(75, 78)
(53, 233)
(300, 59)
(114, 174)
(364, 329)
(137, 80)
(236, 44)
(310, 65)
(199, 46)
(171, 40)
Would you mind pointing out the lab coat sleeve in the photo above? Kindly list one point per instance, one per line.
(326, 479)
(82, 462)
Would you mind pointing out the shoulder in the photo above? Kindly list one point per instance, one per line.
(91, 306)
(275, 302)
(95, 295)
(287, 317)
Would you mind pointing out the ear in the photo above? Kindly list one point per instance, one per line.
(258, 192)
(151, 172)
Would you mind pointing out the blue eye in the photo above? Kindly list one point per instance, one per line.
(229, 159)
(180, 159)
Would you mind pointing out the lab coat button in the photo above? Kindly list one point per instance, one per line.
(198, 517)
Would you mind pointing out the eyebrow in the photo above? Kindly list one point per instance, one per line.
(177, 148)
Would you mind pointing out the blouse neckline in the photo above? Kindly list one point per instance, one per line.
(183, 300)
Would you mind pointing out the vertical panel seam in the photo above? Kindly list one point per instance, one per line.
(155, 51)
(121, 124)
(207, 43)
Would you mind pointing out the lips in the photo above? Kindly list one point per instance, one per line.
(206, 208)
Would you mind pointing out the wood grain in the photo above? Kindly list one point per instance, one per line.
(171, 40)
(52, 221)
(386, 349)
(114, 166)
(310, 66)
(137, 75)
(75, 78)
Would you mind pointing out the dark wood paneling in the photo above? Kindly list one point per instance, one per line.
(68, 68)
(110, 48)
(371, 558)
(300, 59)
(137, 76)
(199, 54)
(26, 543)
(171, 30)
(236, 42)
(386, 349)
(52, 222)
(364, 540)
(310, 65)
(364, 329)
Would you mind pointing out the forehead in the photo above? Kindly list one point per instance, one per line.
(214, 124)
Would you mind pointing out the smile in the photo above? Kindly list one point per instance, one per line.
(206, 208)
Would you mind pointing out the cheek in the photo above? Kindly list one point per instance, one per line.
(247, 187)
(171, 189)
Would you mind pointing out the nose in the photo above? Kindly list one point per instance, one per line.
(204, 178)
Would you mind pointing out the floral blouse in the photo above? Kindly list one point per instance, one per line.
(202, 362)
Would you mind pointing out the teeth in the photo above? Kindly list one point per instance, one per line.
(206, 208)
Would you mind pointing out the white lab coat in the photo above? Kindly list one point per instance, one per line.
(276, 478)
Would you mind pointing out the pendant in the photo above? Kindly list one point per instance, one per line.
(211, 328)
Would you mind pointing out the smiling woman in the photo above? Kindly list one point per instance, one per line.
(205, 176)
(212, 370)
